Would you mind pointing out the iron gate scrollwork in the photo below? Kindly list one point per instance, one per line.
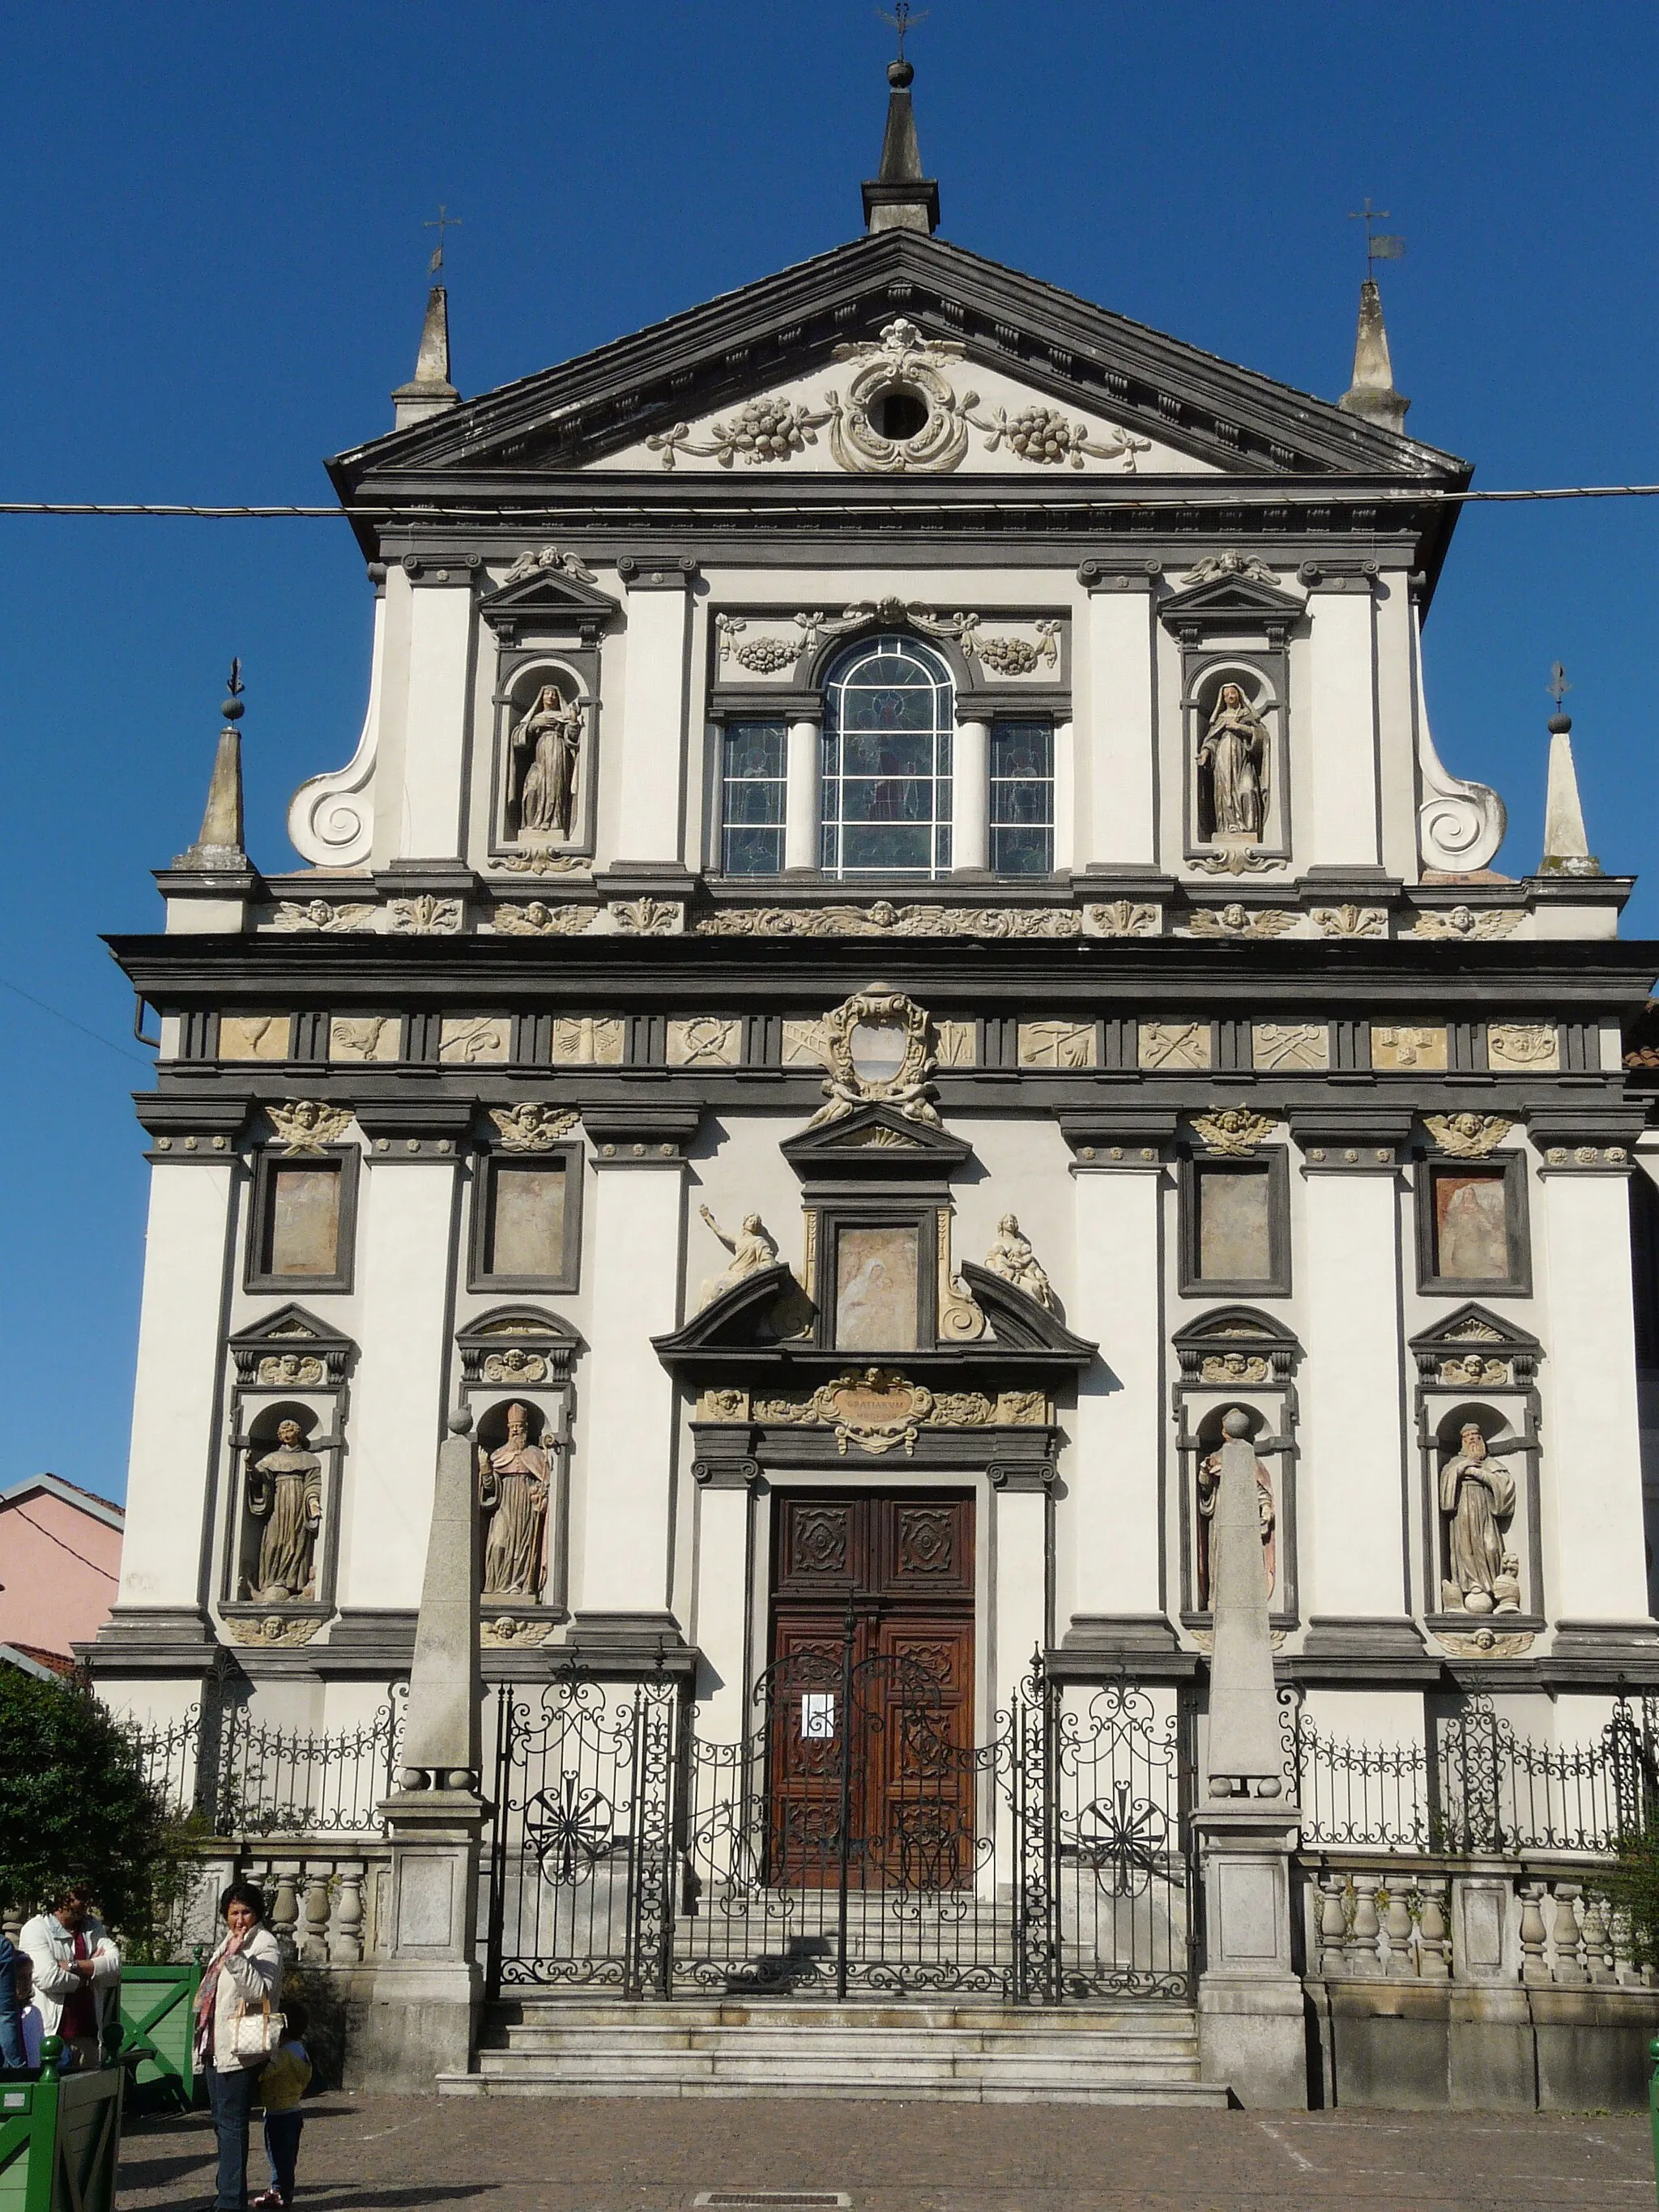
(854, 1841)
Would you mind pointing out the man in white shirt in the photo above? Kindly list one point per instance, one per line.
(77, 1972)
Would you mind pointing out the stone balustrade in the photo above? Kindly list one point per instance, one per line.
(326, 1900)
(1383, 1919)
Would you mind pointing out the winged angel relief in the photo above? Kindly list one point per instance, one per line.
(902, 414)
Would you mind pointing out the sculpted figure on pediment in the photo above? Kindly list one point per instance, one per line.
(752, 1249)
(1012, 1257)
(546, 744)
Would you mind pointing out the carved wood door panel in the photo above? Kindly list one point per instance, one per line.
(872, 1664)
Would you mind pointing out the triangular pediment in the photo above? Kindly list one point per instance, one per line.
(1018, 1321)
(764, 1309)
(874, 1141)
(1458, 1346)
(1234, 599)
(1019, 343)
(549, 598)
(290, 1348)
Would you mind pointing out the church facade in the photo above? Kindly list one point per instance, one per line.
(897, 945)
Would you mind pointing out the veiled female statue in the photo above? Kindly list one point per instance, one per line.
(285, 1492)
(546, 743)
(1234, 749)
(1476, 1495)
(512, 1490)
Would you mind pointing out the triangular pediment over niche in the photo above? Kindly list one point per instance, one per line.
(874, 1143)
(1475, 1345)
(518, 1345)
(1229, 602)
(1153, 404)
(1236, 1344)
(548, 601)
(291, 1349)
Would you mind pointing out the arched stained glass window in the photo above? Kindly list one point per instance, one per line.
(889, 719)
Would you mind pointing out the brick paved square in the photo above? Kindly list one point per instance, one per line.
(655, 2154)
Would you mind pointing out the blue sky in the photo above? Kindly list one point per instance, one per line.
(214, 268)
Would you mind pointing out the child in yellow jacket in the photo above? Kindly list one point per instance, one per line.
(282, 2081)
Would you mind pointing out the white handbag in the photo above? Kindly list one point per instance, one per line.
(255, 2035)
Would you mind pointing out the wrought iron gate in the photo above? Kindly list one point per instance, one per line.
(855, 1842)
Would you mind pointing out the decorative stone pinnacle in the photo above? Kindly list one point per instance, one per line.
(219, 847)
(898, 196)
(1371, 396)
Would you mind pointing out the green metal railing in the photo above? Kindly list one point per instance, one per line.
(60, 2137)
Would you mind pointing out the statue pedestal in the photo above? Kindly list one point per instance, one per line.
(423, 2019)
(1251, 2029)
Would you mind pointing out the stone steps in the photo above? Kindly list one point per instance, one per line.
(1142, 2054)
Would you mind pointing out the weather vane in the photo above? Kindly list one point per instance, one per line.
(904, 18)
(1380, 246)
(1558, 687)
(443, 222)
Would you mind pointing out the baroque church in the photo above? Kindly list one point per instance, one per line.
(896, 966)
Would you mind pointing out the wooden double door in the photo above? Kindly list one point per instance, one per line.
(871, 1689)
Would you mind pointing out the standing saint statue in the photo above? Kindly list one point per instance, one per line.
(513, 1492)
(752, 1249)
(1209, 1490)
(1012, 1257)
(1476, 1494)
(285, 1492)
(1235, 750)
(551, 735)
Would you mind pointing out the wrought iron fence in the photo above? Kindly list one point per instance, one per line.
(1479, 1789)
(242, 1777)
(855, 1842)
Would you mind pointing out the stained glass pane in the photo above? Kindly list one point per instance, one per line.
(752, 792)
(885, 848)
(754, 802)
(1021, 852)
(755, 749)
(1022, 749)
(754, 852)
(889, 717)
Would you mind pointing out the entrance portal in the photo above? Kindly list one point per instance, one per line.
(870, 1691)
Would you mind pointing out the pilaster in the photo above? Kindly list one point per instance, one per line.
(435, 721)
(1022, 1550)
(970, 786)
(1119, 738)
(1337, 740)
(651, 775)
(802, 847)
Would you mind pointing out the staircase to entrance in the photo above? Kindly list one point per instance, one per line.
(1137, 2053)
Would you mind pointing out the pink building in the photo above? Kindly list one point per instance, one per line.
(60, 1559)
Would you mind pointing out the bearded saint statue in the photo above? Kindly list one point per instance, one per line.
(1476, 1494)
(512, 1488)
(1234, 749)
(285, 1492)
(551, 735)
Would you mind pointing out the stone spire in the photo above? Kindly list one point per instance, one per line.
(220, 845)
(900, 198)
(1566, 848)
(1371, 395)
(429, 391)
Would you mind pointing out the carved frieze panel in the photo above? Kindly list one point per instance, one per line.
(588, 1041)
(879, 1410)
(1397, 1046)
(1533, 1046)
(1123, 918)
(1174, 1046)
(955, 1043)
(473, 1040)
(704, 1041)
(1068, 1045)
(883, 919)
(254, 1036)
(364, 1036)
(1290, 1047)
(1468, 923)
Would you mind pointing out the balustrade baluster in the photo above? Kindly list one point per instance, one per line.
(1598, 1940)
(1397, 1926)
(1569, 1967)
(285, 1903)
(1365, 1960)
(1332, 1925)
(314, 1946)
(1534, 1968)
(1432, 1963)
(345, 1943)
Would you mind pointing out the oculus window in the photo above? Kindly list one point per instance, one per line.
(302, 1222)
(1471, 1225)
(527, 1231)
(1022, 798)
(752, 769)
(888, 721)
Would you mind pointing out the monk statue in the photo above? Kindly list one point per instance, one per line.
(1476, 1495)
(513, 1492)
(551, 735)
(1235, 750)
(1209, 1490)
(285, 1492)
(1012, 1257)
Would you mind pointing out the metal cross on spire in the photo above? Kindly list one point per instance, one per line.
(1379, 246)
(442, 221)
(904, 18)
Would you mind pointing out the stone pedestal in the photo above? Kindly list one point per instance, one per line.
(1251, 2010)
(423, 2019)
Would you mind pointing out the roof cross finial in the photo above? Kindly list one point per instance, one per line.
(440, 222)
(1380, 246)
(904, 18)
(1558, 687)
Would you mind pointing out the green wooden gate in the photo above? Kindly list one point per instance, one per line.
(158, 2019)
(60, 2138)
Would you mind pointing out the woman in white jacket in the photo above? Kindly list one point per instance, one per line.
(244, 1976)
(77, 1972)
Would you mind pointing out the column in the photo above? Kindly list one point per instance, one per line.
(1351, 1480)
(1591, 1472)
(1335, 744)
(651, 767)
(970, 786)
(435, 716)
(627, 1414)
(408, 1236)
(803, 768)
(1118, 742)
(1114, 1471)
(721, 1624)
(178, 1395)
